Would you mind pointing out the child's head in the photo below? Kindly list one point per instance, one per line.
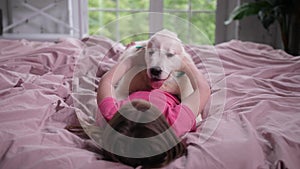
(139, 135)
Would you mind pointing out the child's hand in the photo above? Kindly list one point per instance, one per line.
(171, 86)
(186, 62)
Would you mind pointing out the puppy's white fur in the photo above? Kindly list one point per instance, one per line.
(165, 51)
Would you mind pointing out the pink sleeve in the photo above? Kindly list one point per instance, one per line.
(182, 119)
(108, 107)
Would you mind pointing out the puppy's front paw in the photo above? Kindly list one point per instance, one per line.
(134, 52)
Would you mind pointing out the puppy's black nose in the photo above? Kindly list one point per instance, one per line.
(155, 71)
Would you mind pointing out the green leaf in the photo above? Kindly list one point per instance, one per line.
(247, 9)
(266, 17)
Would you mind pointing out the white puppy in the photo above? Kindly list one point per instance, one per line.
(157, 61)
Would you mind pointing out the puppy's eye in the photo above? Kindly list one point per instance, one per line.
(170, 55)
(151, 53)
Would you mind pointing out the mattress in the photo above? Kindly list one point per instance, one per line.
(252, 120)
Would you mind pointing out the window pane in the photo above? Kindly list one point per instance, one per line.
(176, 4)
(204, 4)
(206, 24)
(199, 28)
(100, 23)
(122, 25)
(94, 21)
(181, 15)
(200, 17)
(134, 4)
(177, 22)
(102, 4)
(133, 27)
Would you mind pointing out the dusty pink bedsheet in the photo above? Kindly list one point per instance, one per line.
(252, 121)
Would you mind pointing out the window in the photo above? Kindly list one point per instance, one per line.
(43, 20)
(131, 20)
(120, 20)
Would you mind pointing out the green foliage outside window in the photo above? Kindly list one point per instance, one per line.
(104, 22)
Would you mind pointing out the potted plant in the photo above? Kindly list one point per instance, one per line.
(285, 12)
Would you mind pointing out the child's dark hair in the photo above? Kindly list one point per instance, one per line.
(139, 135)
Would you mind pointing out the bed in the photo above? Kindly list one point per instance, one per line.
(252, 120)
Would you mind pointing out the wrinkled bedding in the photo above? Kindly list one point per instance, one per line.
(252, 120)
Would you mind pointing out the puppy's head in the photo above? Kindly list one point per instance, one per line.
(163, 55)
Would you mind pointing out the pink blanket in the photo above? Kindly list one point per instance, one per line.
(252, 120)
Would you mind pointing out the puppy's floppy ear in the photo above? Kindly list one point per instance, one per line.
(137, 50)
(149, 45)
(186, 54)
(142, 43)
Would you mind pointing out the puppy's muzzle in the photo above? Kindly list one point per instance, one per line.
(155, 72)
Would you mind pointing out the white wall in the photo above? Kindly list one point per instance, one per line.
(3, 7)
(251, 29)
(43, 19)
(39, 23)
(225, 32)
(247, 29)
